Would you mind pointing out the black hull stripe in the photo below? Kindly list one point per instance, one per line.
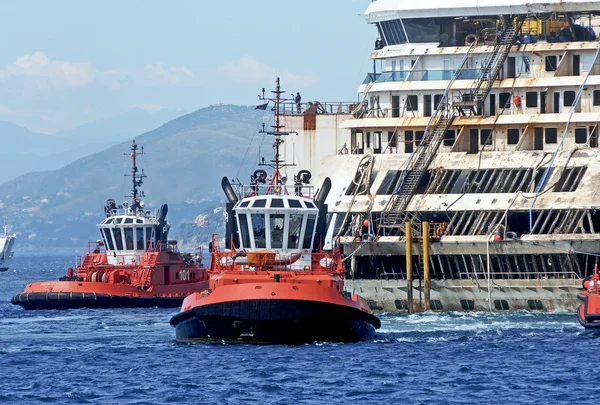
(66, 300)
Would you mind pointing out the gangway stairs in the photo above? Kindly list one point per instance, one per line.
(475, 97)
(394, 215)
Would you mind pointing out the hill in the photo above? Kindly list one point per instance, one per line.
(24, 151)
(184, 160)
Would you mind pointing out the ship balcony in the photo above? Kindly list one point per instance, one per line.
(421, 75)
(317, 107)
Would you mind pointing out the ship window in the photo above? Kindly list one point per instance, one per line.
(551, 63)
(118, 238)
(277, 222)
(277, 203)
(110, 221)
(309, 204)
(467, 305)
(139, 237)
(308, 233)
(139, 221)
(295, 204)
(244, 203)
(108, 239)
(504, 99)
(128, 238)
(128, 221)
(485, 137)
(551, 135)
(412, 103)
(569, 98)
(596, 97)
(244, 230)
(118, 220)
(260, 203)
(422, 30)
(392, 32)
(531, 99)
(435, 305)
(295, 226)
(389, 182)
(512, 136)
(501, 305)
(392, 139)
(419, 137)
(450, 137)
(408, 141)
(258, 227)
(535, 304)
(581, 135)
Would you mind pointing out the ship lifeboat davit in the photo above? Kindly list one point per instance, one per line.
(589, 309)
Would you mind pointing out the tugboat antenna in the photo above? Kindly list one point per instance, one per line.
(276, 163)
(137, 179)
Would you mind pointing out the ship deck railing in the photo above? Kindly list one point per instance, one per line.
(419, 75)
(321, 107)
(251, 190)
(129, 212)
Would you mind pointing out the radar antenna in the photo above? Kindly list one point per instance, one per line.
(276, 163)
(137, 179)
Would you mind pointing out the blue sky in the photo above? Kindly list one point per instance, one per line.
(64, 63)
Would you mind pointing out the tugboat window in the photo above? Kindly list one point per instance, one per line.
(128, 238)
(244, 203)
(118, 220)
(148, 237)
(128, 220)
(308, 233)
(276, 225)
(244, 230)
(139, 234)
(294, 204)
(108, 239)
(277, 203)
(260, 203)
(311, 205)
(258, 227)
(139, 221)
(118, 238)
(295, 227)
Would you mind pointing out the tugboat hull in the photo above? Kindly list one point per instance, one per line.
(73, 294)
(274, 321)
(68, 300)
(588, 313)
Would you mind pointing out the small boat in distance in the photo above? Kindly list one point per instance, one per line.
(7, 241)
(589, 309)
(273, 284)
(133, 265)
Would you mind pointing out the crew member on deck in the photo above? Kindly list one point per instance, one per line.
(298, 101)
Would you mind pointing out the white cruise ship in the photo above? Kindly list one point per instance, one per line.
(6, 245)
(480, 121)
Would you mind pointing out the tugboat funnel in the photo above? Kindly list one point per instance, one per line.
(226, 186)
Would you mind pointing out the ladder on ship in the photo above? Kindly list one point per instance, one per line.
(394, 215)
(475, 97)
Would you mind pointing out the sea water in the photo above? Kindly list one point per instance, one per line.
(130, 356)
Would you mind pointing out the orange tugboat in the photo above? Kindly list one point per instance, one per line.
(589, 309)
(133, 265)
(272, 283)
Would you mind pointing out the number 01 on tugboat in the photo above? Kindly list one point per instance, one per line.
(273, 283)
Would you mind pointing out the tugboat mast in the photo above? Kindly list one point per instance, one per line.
(276, 163)
(137, 179)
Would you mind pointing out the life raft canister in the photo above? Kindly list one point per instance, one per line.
(517, 101)
(471, 39)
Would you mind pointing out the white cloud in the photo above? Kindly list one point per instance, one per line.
(250, 71)
(147, 107)
(172, 75)
(38, 65)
